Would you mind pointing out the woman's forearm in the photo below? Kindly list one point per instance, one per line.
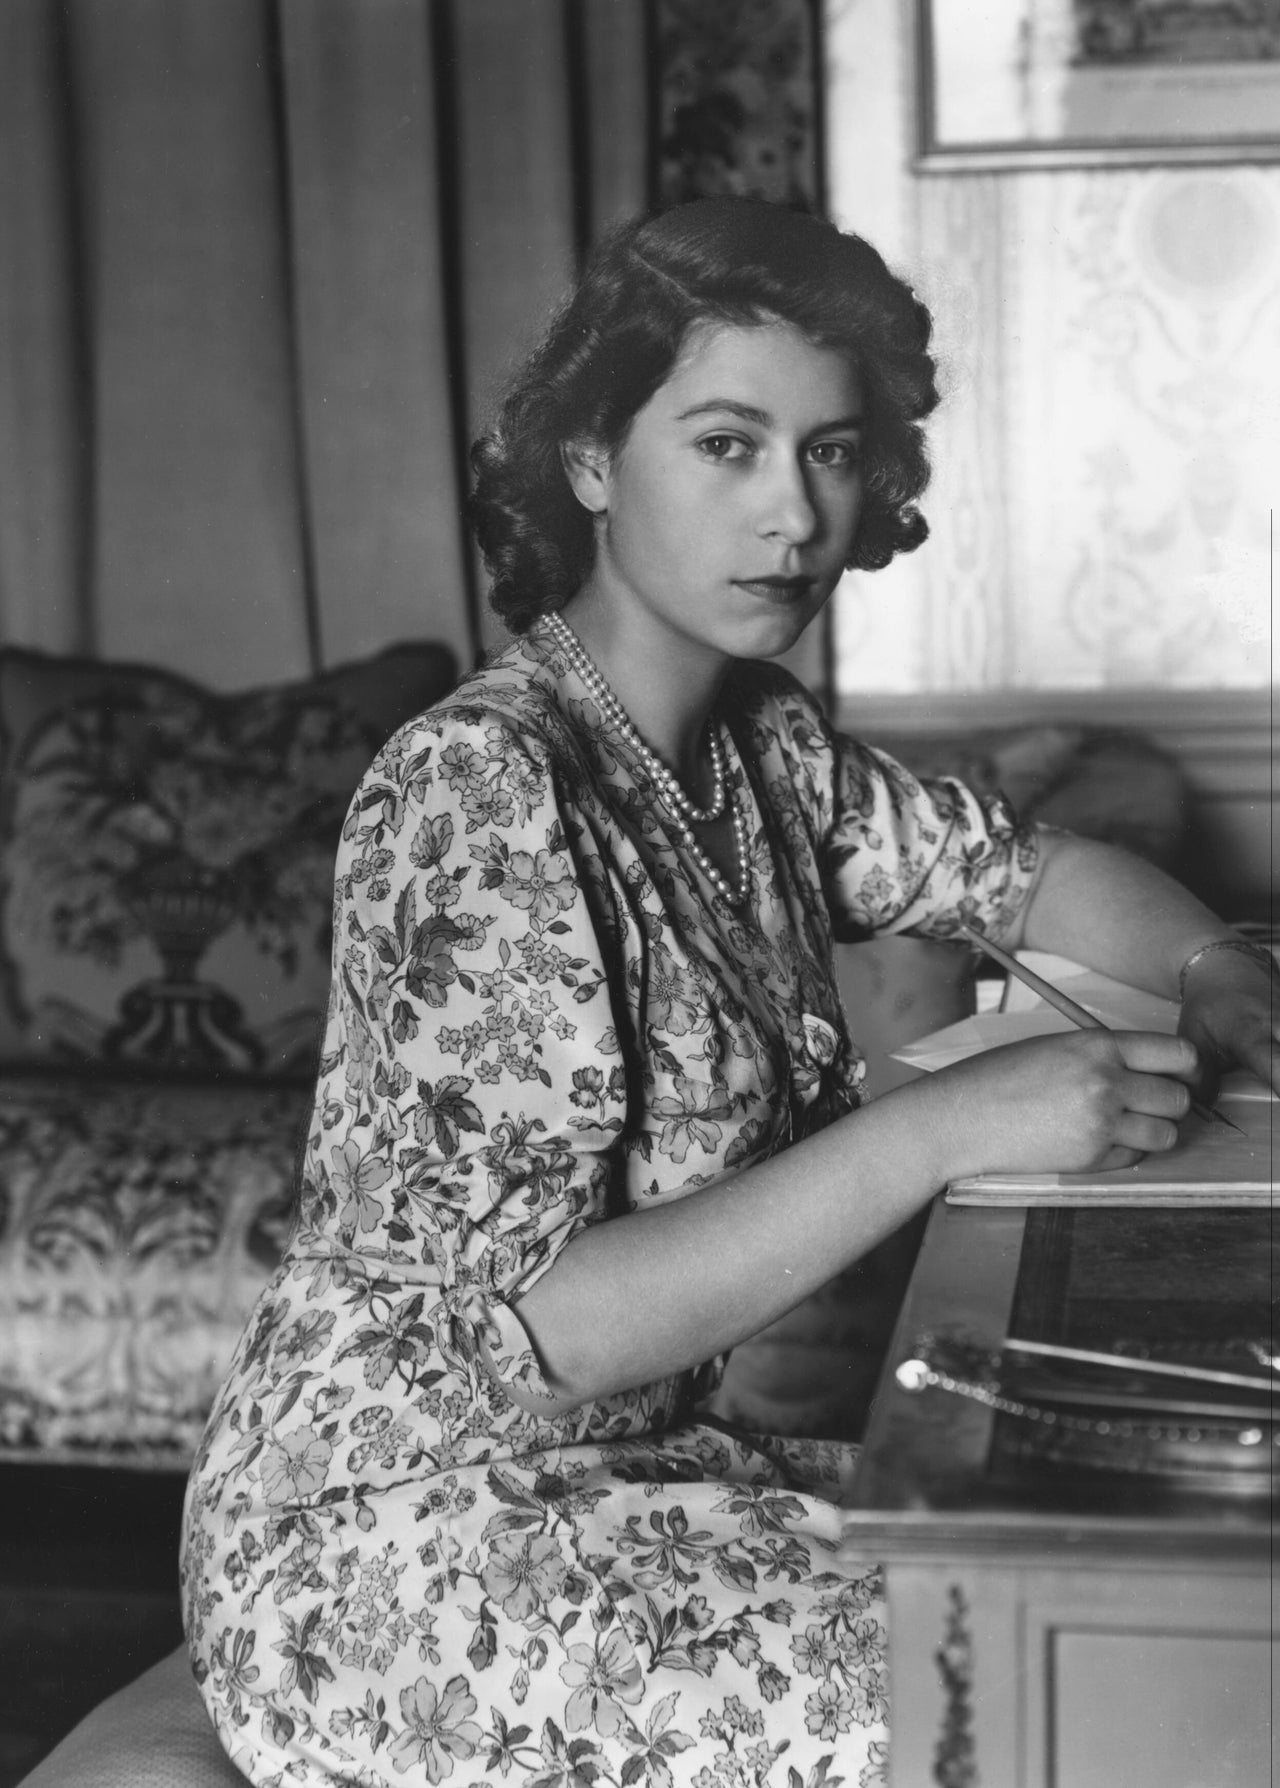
(1115, 912)
(658, 1291)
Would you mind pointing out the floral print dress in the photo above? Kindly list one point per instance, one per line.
(543, 1017)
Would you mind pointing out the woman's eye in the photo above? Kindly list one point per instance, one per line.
(833, 453)
(724, 446)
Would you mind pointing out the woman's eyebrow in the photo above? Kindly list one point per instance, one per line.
(749, 413)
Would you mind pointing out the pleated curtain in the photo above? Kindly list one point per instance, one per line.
(263, 265)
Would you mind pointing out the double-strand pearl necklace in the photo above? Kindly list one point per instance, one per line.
(617, 717)
(686, 812)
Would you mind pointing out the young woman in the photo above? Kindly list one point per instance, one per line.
(589, 1108)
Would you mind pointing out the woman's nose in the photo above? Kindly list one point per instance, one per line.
(787, 508)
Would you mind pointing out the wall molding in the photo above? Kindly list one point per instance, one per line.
(1224, 738)
(1224, 741)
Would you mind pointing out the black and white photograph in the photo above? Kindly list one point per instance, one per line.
(639, 970)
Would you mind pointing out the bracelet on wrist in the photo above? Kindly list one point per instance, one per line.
(1240, 945)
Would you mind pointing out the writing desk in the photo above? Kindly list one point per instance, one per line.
(1054, 1624)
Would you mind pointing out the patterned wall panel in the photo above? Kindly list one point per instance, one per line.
(961, 230)
(1106, 458)
(1144, 363)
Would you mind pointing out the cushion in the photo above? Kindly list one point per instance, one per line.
(153, 1734)
(166, 857)
(138, 1223)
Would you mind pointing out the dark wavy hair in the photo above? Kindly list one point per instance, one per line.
(726, 260)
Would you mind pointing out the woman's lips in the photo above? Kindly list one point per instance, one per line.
(781, 590)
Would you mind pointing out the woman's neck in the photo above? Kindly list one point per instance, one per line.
(668, 689)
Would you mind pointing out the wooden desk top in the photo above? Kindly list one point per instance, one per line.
(941, 1473)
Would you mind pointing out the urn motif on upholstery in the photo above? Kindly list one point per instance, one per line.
(166, 880)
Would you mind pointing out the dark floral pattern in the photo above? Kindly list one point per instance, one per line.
(138, 1225)
(165, 891)
(539, 1020)
(738, 100)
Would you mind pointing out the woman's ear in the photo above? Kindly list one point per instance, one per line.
(587, 469)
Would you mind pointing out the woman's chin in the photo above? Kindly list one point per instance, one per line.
(772, 636)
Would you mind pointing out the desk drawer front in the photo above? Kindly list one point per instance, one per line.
(1176, 1710)
(1080, 1678)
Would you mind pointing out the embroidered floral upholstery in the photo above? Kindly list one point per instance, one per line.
(138, 1223)
(166, 884)
(168, 857)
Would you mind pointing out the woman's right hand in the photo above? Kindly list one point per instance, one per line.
(1071, 1103)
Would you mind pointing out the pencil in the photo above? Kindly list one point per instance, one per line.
(1134, 1363)
(1061, 1002)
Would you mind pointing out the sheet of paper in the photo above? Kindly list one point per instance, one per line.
(1210, 1164)
(1024, 1014)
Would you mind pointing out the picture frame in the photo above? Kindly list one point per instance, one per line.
(1095, 83)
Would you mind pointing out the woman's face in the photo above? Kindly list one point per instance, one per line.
(726, 517)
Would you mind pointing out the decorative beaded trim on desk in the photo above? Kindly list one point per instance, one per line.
(921, 1373)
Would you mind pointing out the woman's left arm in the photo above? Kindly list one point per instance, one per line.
(1098, 905)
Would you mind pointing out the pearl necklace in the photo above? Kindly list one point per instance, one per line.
(618, 718)
(686, 812)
